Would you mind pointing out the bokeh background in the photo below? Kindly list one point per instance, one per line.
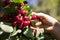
(50, 7)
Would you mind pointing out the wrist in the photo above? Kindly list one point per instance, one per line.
(56, 30)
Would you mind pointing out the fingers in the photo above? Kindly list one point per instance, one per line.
(45, 18)
(39, 24)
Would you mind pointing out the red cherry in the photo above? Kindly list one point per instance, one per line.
(35, 31)
(21, 4)
(26, 23)
(26, 18)
(19, 19)
(20, 26)
(23, 12)
(14, 23)
(18, 12)
(34, 17)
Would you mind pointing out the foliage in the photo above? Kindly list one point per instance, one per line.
(15, 24)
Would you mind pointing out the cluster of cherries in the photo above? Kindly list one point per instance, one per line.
(19, 18)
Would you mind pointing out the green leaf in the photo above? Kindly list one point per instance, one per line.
(39, 31)
(22, 38)
(6, 28)
(33, 22)
(10, 9)
(29, 32)
(27, 9)
(17, 1)
(18, 31)
(41, 38)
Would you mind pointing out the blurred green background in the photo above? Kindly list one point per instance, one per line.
(50, 7)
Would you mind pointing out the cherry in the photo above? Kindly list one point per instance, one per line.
(18, 12)
(14, 23)
(35, 31)
(19, 19)
(21, 4)
(23, 12)
(26, 23)
(26, 18)
(34, 17)
(20, 26)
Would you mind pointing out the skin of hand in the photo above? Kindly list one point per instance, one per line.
(50, 24)
(47, 20)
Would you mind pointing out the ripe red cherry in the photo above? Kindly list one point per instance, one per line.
(18, 12)
(21, 4)
(14, 23)
(20, 26)
(23, 12)
(26, 18)
(19, 19)
(34, 17)
(35, 31)
(26, 23)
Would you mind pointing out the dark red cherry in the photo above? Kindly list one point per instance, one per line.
(34, 17)
(18, 12)
(21, 4)
(14, 23)
(23, 12)
(20, 26)
(26, 18)
(35, 31)
(19, 19)
(26, 23)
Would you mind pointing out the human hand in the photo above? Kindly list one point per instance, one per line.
(48, 21)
